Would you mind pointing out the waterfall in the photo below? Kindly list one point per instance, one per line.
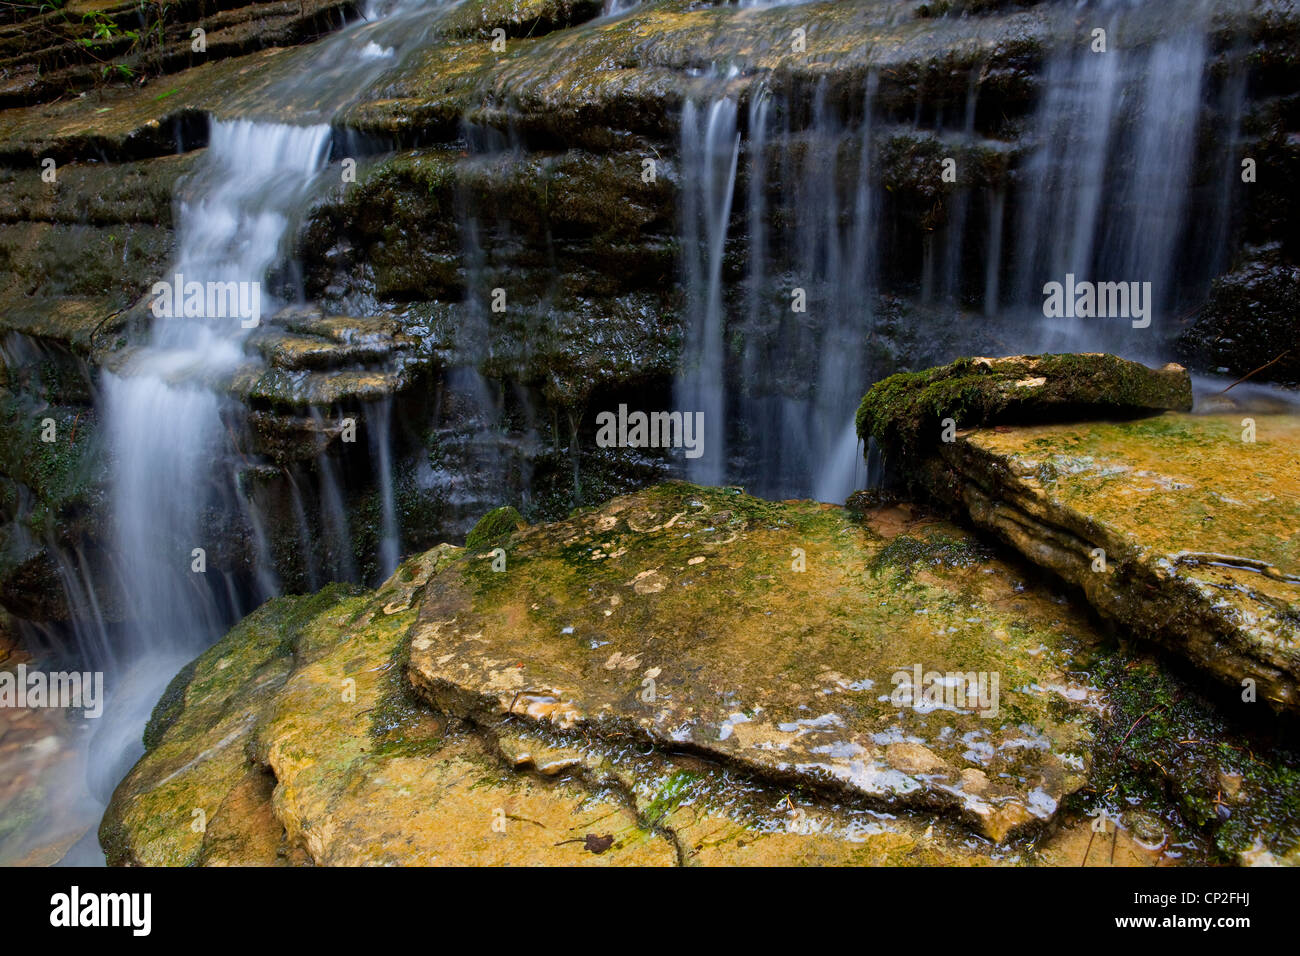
(174, 484)
(810, 294)
(1104, 194)
(710, 153)
(164, 424)
(1107, 188)
(380, 416)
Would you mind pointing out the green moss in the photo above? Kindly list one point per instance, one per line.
(169, 707)
(906, 412)
(494, 526)
(669, 797)
(272, 631)
(1165, 748)
(934, 548)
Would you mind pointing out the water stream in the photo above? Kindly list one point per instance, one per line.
(1104, 195)
(169, 422)
(783, 242)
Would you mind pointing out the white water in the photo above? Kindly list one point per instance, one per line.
(710, 153)
(802, 370)
(1105, 194)
(1107, 187)
(173, 486)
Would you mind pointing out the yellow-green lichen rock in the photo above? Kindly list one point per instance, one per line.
(294, 741)
(684, 676)
(779, 639)
(1185, 528)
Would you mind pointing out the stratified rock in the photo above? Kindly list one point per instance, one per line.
(343, 769)
(725, 708)
(517, 18)
(772, 639)
(1182, 528)
(295, 740)
(52, 51)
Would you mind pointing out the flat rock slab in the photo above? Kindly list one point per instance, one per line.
(293, 741)
(1198, 517)
(778, 639)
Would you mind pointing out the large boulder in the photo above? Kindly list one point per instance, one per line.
(770, 639)
(1248, 326)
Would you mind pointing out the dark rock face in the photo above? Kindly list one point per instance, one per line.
(1249, 324)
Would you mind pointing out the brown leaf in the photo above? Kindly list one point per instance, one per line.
(598, 844)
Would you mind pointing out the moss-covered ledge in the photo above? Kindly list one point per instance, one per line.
(911, 412)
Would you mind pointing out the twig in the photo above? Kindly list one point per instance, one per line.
(1260, 369)
(1134, 727)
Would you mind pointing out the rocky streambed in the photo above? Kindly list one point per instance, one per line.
(1055, 623)
(691, 675)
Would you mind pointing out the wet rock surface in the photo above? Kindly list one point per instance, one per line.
(297, 741)
(577, 710)
(678, 617)
(912, 412)
(1182, 527)
(1248, 327)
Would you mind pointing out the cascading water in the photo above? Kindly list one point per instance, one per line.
(167, 417)
(1104, 194)
(809, 308)
(164, 421)
(777, 351)
(1107, 188)
(710, 154)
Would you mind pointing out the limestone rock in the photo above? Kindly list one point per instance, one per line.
(1183, 528)
(676, 617)
(909, 412)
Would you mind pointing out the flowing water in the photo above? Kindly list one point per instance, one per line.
(1108, 193)
(173, 487)
(710, 153)
(1104, 195)
(783, 241)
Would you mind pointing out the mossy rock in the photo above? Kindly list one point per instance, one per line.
(1182, 528)
(779, 668)
(493, 526)
(518, 18)
(907, 412)
(307, 737)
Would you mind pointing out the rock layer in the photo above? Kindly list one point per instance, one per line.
(1181, 527)
(611, 698)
